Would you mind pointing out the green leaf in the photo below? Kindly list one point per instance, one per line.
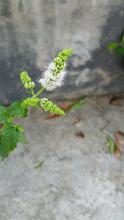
(119, 50)
(9, 138)
(22, 139)
(19, 128)
(77, 105)
(112, 46)
(3, 114)
(18, 110)
(111, 145)
(4, 151)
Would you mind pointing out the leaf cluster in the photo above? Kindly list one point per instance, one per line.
(10, 133)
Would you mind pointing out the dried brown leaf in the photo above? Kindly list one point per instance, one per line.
(121, 133)
(76, 121)
(117, 153)
(118, 144)
(52, 116)
(115, 100)
(80, 134)
(66, 105)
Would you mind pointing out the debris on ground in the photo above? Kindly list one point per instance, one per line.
(116, 100)
(115, 144)
(80, 134)
(40, 164)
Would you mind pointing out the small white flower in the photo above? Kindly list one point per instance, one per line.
(51, 81)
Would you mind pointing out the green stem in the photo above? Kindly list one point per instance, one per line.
(32, 91)
(39, 92)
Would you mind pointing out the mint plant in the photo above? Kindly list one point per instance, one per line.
(11, 133)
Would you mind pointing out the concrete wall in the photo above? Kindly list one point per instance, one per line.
(32, 32)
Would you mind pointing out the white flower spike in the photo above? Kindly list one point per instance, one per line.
(55, 73)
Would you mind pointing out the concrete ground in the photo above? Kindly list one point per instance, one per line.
(79, 179)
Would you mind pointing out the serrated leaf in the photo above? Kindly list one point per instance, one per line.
(17, 109)
(4, 151)
(3, 114)
(111, 145)
(8, 139)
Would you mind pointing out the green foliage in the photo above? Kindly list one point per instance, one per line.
(17, 109)
(4, 115)
(11, 133)
(112, 46)
(22, 139)
(117, 47)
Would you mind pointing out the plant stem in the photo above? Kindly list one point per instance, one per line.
(32, 91)
(39, 92)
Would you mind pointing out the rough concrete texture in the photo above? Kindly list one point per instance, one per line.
(32, 32)
(79, 179)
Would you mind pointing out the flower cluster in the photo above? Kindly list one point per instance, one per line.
(34, 102)
(49, 106)
(55, 73)
(26, 80)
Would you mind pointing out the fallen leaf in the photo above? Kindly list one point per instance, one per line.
(66, 106)
(40, 164)
(121, 133)
(76, 121)
(117, 153)
(115, 146)
(110, 144)
(52, 116)
(80, 134)
(118, 144)
(75, 105)
(115, 100)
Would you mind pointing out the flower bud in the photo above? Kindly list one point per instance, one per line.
(34, 102)
(49, 106)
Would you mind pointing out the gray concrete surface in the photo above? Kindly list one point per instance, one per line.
(79, 180)
(32, 32)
